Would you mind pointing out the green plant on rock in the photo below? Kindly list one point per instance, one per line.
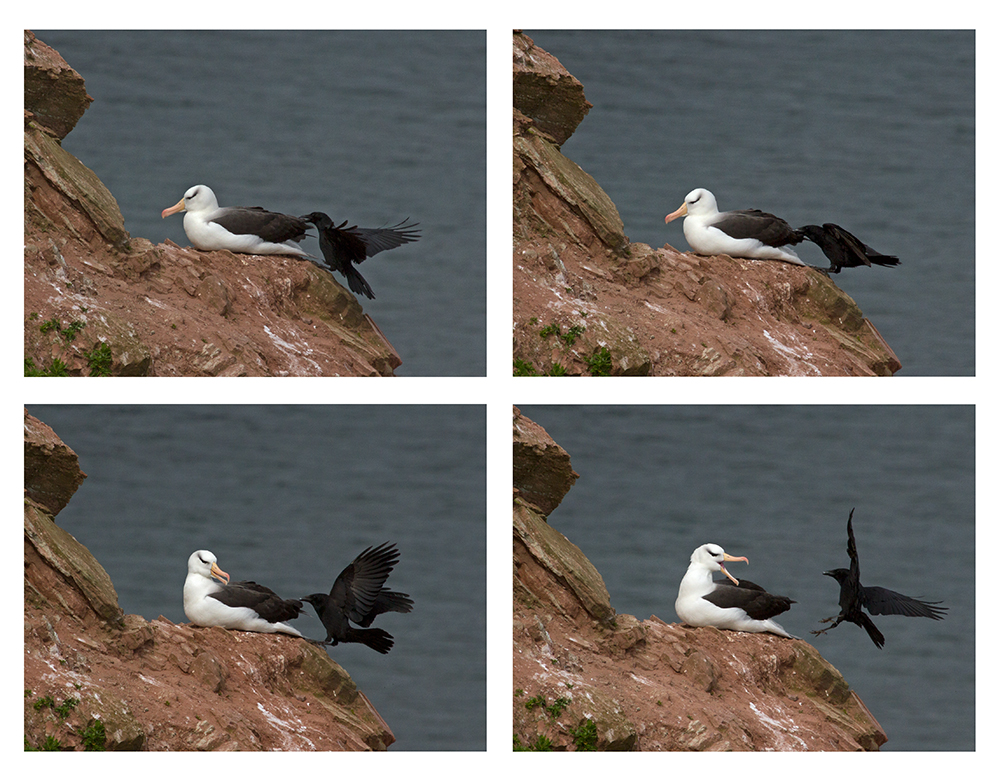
(585, 736)
(599, 364)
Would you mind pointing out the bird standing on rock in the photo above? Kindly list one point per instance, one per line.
(238, 229)
(210, 600)
(754, 234)
(731, 604)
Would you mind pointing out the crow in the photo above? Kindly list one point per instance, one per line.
(358, 596)
(344, 246)
(877, 600)
(843, 249)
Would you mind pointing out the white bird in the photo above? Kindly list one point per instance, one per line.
(238, 229)
(210, 600)
(731, 605)
(748, 234)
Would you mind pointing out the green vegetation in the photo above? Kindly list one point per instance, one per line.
(57, 369)
(99, 359)
(599, 364)
(68, 334)
(94, 737)
(541, 744)
(585, 736)
(524, 368)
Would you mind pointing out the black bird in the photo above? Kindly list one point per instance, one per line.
(344, 246)
(358, 595)
(843, 249)
(876, 600)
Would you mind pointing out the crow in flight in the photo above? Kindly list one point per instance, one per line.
(358, 596)
(877, 600)
(344, 246)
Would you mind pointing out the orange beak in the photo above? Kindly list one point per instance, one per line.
(732, 559)
(175, 209)
(681, 211)
(216, 571)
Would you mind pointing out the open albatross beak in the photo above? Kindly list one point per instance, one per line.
(732, 559)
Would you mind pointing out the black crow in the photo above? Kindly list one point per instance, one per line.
(358, 596)
(344, 246)
(843, 249)
(877, 600)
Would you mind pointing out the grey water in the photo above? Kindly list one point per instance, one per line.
(872, 130)
(288, 496)
(368, 126)
(776, 484)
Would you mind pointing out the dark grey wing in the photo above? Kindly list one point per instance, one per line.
(745, 584)
(387, 237)
(262, 600)
(864, 254)
(852, 549)
(342, 246)
(831, 247)
(387, 601)
(752, 598)
(853, 250)
(273, 227)
(767, 228)
(358, 586)
(878, 600)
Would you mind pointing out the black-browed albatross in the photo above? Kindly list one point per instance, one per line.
(876, 600)
(732, 604)
(344, 246)
(358, 594)
(238, 229)
(210, 600)
(754, 234)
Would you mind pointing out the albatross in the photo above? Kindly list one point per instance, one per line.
(754, 234)
(876, 600)
(344, 246)
(210, 600)
(358, 595)
(238, 229)
(730, 604)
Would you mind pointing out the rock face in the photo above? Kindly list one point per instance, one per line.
(96, 678)
(98, 302)
(588, 678)
(587, 301)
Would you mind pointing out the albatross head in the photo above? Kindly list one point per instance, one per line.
(204, 563)
(711, 556)
(700, 202)
(198, 197)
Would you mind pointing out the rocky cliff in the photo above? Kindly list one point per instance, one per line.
(588, 301)
(99, 302)
(97, 678)
(588, 678)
